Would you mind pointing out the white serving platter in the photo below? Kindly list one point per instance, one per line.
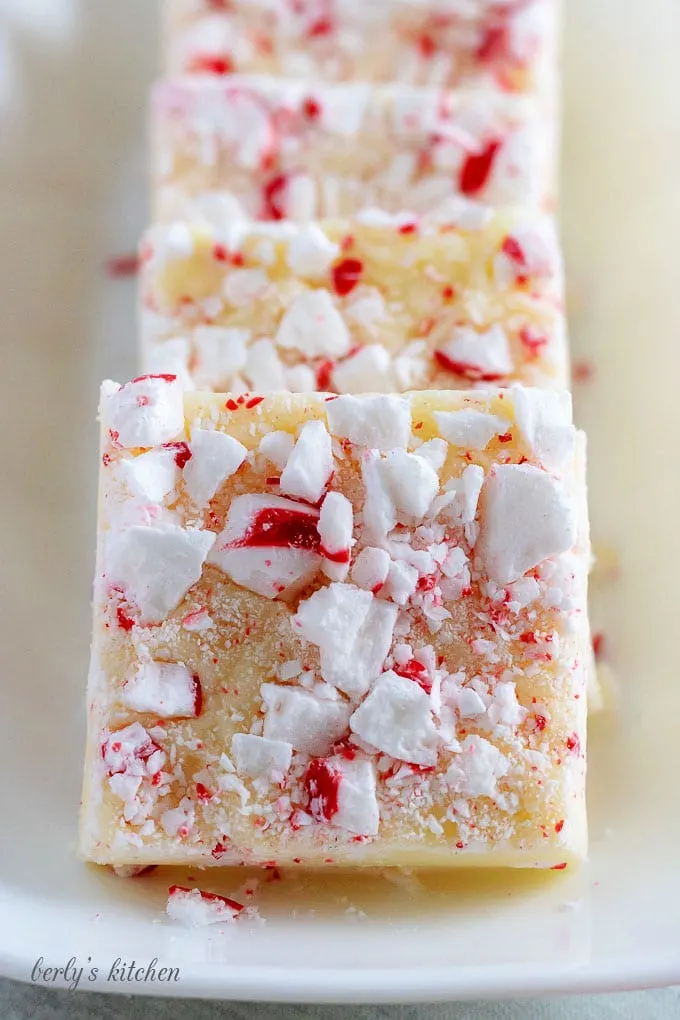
(71, 194)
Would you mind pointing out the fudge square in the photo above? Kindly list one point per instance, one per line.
(511, 46)
(270, 148)
(338, 630)
(377, 303)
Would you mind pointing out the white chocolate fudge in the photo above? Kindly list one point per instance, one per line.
(448, 43)
(272, 149)
(379, 303)
(338, 630)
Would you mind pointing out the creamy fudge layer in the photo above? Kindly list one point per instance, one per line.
(269, 148)
(377, 303)
(338, 630)
(507, 45)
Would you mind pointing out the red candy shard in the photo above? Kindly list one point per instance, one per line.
(164, 376)
(322, 783)
(533, 339)
(211, 63)
(346, 276)
(414, 670)
(181, 452)
(342, 556)
(573, 743)
(513, 249)
(468, 371)
(283, 529)
(198, 695)
(209, 897)
(274, 198)
(324, 370)
(477, 168)
(125, 622)
(311, 108)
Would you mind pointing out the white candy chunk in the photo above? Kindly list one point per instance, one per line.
(356, 665)
(168, 689)
(469, 703)
(412, 481)
(269, 545)
(476, 768)
(332, 616)
(195, 909)
(126, 787)
(310, 465)
(370, 568)
(459, 504)
(435, 452)
(484, 356)
(257, 756)
(221, 353)
(310, 253)
(311, 724)
(263, 369)
(301, 379)
(215, 456)
(353, 631)
(402, 580)
(522, 593)
(380, 513)
(314, 326)
(367, 371)
(380, 423)
(146, 412)
(171, 244)
(505, 710)
(151, 476)
(336, 525)
(396, 718)
(526, 517)
(514, 171)
(301, 198)
(277, 448)
(544, 420)
(367, 309)
(357, 798)
(168, 356)
(157, 566)
(129, 750)
(469, 429)
(243, 287)
(181, 817)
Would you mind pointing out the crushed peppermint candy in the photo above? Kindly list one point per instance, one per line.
(331, 630)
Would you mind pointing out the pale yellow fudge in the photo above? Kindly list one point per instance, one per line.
(506, 45)
(377, 303)
(338, 630)
(270, 148)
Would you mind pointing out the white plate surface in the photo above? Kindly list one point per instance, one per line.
(71, 193)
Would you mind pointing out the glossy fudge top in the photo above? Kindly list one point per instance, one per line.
(338, 628)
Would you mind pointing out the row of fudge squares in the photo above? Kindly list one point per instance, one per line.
(506, 44)
(378, 303)
(270, 148)
(338, 629)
